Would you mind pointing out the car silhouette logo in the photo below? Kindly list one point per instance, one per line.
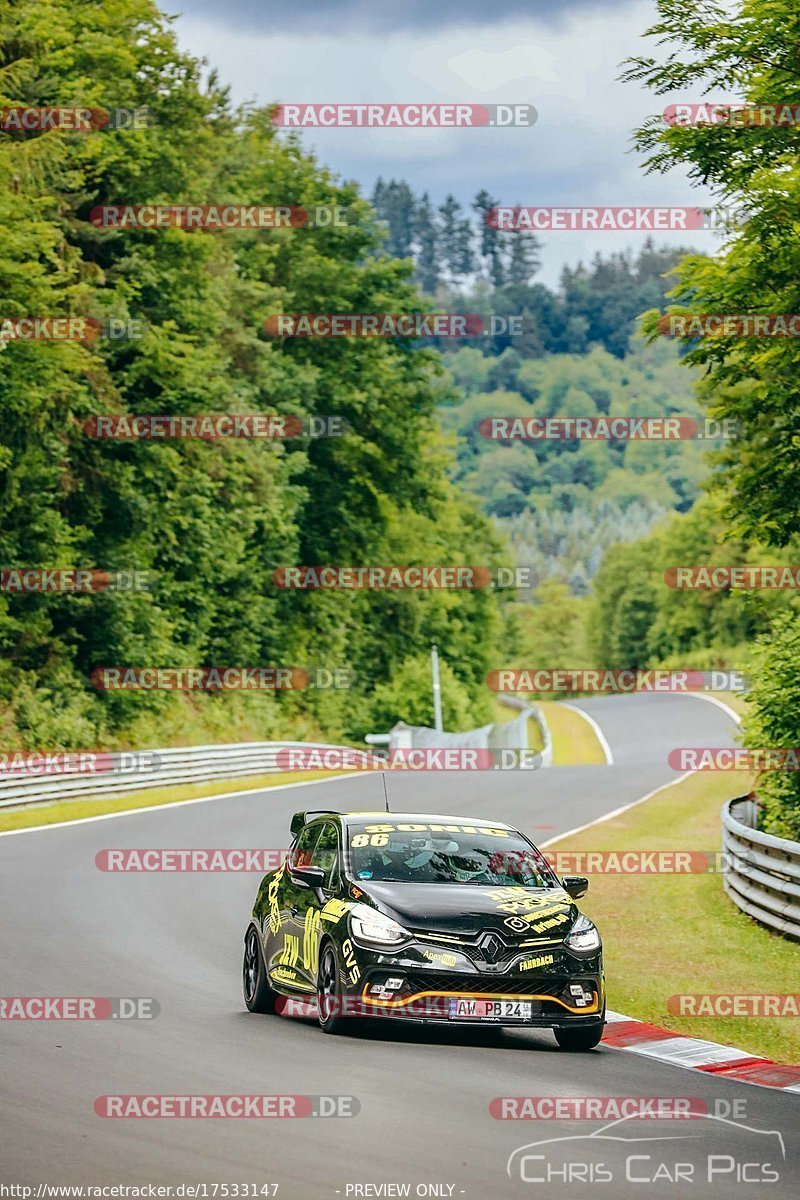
(615, 1131)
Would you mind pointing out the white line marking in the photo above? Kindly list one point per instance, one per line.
(688, 1051)
(151, 808)
(612, 1017)
(713, 700)
(601, 737)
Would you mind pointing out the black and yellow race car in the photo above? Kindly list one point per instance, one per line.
(419, 917)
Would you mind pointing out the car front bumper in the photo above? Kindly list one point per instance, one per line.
(568, 991)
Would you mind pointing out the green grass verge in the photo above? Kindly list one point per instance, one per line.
(73, 810)
(574, 741)
(671, 934)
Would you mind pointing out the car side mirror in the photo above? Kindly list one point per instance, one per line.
(308, 877)
(575, 885)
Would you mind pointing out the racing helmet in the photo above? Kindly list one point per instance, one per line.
(465, 867)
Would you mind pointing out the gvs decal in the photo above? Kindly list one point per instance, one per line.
(353, 972)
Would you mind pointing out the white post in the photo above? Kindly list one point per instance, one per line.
(437, 691)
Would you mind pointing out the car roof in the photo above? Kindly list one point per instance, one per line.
(315, 816)
(407, 818)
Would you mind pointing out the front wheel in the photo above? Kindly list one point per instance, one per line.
(583, 1037)
(258, 995)
(329, 993)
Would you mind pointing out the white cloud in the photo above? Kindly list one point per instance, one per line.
(578, 153)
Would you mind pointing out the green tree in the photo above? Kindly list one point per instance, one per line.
(751, 381)
(428, 250)
(209, 522)
(489, 239)
(771, 723)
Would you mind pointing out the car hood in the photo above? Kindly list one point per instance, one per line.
(469, 909)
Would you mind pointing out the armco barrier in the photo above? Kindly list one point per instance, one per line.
(179, 764)
(761, 873)
(535, 714)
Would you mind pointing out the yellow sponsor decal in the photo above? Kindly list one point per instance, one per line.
(544, 960)
(291, 950)
(515, 900)
(415, 827)
(334, 910)
(311, 930)
(447, 960)
(553, 910)
(543, 926)
(272, 899)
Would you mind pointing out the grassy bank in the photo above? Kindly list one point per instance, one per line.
(671, 934)
(574, 741)
(73, 810)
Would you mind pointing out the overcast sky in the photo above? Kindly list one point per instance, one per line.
(563, 57)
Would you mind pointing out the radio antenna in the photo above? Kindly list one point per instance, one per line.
(385, 792)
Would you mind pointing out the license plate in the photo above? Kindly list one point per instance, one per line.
(490, 1010)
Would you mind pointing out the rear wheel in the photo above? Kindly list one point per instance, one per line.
(583, 1037)
(258, 995)
(329, 993)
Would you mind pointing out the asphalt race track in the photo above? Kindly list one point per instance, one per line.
(71, 930)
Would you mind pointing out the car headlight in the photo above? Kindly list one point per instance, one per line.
(584, 935)
(368, 925)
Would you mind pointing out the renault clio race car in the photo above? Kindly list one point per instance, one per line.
(418, 917)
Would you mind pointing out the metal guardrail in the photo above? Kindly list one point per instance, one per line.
(180, 764)
(535, 714)
(761, 873)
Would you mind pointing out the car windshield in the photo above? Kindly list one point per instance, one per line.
(446, 855)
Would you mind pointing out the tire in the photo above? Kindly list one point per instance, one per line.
(258, 995)
(329, 992)
(584, 1037)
